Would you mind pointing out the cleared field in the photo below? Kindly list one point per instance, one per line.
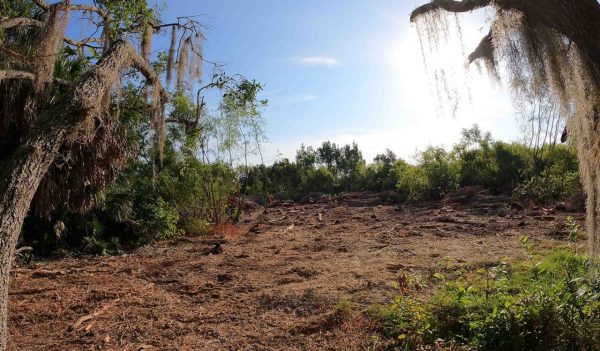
(272, 283)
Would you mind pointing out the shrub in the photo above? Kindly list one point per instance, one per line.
(382, 174)
(513, 163)
(318, 180)
(158, 221)
(441, 170)
(196, 226)
(96, 241)
(550, 185)
(413, 184)
(552, 304)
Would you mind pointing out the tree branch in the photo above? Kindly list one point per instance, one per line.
(89, 8)
(83, 42)
(14, 74)
(77, 7)
(42, 4)
(485, 50)
(6, 23)
(448, 5)
(142, 65)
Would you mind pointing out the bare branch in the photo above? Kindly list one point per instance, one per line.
(6, 23)
(13, 74)
(83, 42)
(449, 5)
(76, 7)
(23, 249)
(142, 65)
(42, 4)
(89, 8)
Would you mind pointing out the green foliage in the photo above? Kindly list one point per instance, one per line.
(552, 304)
(318, 180)
(574, 232)
(531, 175)
(95, 241)
(413, 184)
(125, 14)
(196, 226)
(441, 170)
(158, 220)
(284, 178)
(306, 157)
(381, 174)
(350, 167)
(555, 176)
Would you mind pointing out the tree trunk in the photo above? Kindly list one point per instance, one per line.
(21, 173)
(20, 178)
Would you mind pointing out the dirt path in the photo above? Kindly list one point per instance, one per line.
(275, 285)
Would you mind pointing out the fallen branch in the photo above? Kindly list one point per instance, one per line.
(77, 325)
(44, 273)
(23, 249)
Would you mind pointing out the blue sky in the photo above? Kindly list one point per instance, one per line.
(349, 70)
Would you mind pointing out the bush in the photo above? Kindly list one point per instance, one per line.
(383, 173)
(514, 162)
(158, 221)
(548, 305)
(196, 226)
(413, 184)
(548, 187)
(318, 180)
(442, 171)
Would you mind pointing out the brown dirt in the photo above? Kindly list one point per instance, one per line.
(274, 286)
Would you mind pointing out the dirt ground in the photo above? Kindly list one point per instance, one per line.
(273, 285)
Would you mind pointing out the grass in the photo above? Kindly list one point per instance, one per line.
(544, 302)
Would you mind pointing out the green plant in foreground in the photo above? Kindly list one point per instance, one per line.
(573, 229)
(553, 304)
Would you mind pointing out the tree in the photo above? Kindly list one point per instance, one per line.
(328, 155)
(551, 43)
(306, 157)
(61, 106)
(349, 167)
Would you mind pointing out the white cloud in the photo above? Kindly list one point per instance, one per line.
(293, 99)
(317, 61)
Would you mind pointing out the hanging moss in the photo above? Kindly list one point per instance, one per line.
(171, 58)
(182, 63)
(537, 57)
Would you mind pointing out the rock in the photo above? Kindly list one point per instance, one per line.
(216, 250)
(545, 218)
(446, 219)
(516, 206)
(224, 278)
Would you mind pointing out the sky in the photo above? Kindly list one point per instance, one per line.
(351, 71)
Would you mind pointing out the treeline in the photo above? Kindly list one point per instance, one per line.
(182, 184)
(201, 178)
(530, 174)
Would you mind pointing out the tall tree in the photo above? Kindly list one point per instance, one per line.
(60, 103)
(553, 43)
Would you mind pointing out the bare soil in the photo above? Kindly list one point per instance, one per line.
(272, 286)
